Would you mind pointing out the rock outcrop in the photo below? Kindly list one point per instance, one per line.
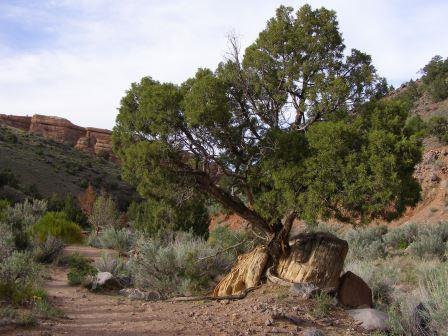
(92, 140)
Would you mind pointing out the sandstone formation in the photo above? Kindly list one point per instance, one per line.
(316, 258)
(93, 140)
(353, 292)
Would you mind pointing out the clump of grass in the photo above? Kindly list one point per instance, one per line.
(322, 305)
(434, 289)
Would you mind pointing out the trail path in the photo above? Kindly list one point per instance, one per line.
(90, 314)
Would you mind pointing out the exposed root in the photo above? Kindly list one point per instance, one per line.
(240, 296)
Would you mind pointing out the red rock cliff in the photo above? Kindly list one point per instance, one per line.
(89, 139)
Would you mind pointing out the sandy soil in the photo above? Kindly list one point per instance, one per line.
(91, 314)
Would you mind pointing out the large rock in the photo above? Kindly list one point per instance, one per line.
(245, 274)
(353, 292)
(316, 258)
(370, 319)
(105, 281)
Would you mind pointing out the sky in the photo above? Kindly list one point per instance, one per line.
(76, 58)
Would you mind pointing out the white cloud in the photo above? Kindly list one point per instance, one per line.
(97, 48)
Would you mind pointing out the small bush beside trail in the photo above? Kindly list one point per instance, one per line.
(79, 269)
(182, 265)
(57, 225)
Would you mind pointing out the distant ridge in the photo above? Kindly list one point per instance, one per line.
(89, 139)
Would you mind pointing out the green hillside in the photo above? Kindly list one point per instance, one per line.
(35, 166)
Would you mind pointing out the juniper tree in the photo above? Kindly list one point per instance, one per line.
(291, 128)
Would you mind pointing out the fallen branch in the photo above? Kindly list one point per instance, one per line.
(240, 296)
(291, 318)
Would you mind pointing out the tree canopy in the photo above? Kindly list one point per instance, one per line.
(294, 127)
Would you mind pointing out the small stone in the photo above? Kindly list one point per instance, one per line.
(269, 322)
(370, 319)
(304, 290)
(312, 332)
(224, 302)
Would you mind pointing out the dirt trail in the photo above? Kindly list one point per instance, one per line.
(91, 314)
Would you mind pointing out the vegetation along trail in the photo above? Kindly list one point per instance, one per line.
(90, 313)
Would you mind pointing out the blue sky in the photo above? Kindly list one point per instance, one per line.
(76, 58)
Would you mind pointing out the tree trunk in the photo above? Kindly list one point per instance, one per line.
(317, 258)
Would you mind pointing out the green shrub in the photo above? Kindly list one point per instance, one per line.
(402, 236)
(435, 78)
(57, 225)
(7, 244)
(438, 127)
(109, 263)
(182, 265)
(104, 214)
(19, 278)
(79, 269)
(70, 207)
(152, 216)
(120, 240)
(48, 250)
(21, 217)
(435, 289)
(366, 243)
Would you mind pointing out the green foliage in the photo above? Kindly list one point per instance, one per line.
(8, 178)
(283, 127)
(114, 265)
(79, 269)
(152, 216)
(20, 218)
(401, 237)
(57, 225)
(438, 127)
(19, 278)
(117, 239)
(322, 305)
(48, 250)
(224, 238)
(178, 265)
(435, 292)
(366, 244)
(69, 206)
(104, 213)
(435, 78)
